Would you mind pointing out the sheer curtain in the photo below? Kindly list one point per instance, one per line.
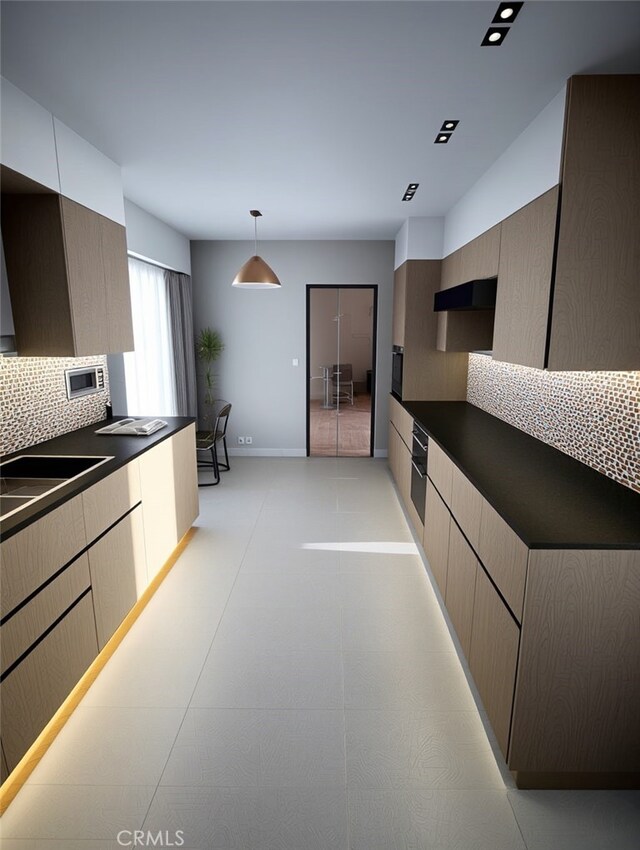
(149, 370)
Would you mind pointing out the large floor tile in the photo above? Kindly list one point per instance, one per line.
(432, 820)
(394, 628)
(578, 820)
(427, 681)
(360, 527)
(278, 630)
(89, 812)
(255, 679)
(290, 588)
(252, 818)
(418, 750)
(110, 746)
(389, 556)
(162, 677)
(65, 844)
(290, 555)
(381, 586)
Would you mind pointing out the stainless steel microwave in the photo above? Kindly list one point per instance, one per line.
(84, 381)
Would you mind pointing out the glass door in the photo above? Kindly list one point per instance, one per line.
(340, 358)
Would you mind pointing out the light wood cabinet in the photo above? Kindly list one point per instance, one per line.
(117, 563)
(436, 536)
(585, 313)
(440, 470)
(108, 500)
(461, 586)
(505, 555)
(36, 688)
(493, 657)
(462, 331)
(402, 421)
(4, 769)
(427, 373)
(34, 554)
(400, 464)
(466, 505)
(169, 488)
(68, 277)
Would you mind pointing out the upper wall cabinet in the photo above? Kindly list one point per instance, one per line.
(586, 314)
(427, 373)
(473, 330)
(28, 144)
(68, 277)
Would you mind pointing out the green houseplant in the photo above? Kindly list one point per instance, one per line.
(209, 347)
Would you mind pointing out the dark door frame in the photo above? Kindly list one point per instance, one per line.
(374, 349)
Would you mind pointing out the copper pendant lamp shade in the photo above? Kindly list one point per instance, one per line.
(255, 273)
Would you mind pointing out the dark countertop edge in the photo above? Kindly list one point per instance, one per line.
(18, 522)
(529, 543)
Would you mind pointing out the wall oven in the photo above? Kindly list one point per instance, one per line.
(396, 371)
(419, 468)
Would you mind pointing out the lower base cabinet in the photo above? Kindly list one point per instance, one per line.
(436, 536)
(493, 657)
(34, 690)
(461, 586)
(117, 564)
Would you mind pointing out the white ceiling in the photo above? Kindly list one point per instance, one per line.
(317, 113)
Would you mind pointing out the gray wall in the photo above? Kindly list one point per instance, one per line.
(264, 330)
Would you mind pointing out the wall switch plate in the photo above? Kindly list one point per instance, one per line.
(295, 362)
(241, 441)
(248, 440)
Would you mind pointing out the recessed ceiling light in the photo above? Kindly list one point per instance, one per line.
(449, 126)
(411, 190)
(494, 36)
(442, 138)
(507, 13)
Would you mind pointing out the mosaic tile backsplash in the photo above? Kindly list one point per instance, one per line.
(33, 400)
(592, 416)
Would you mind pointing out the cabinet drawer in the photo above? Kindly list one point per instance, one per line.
(402, 420)
(111, 498)
(436, 536)
(118, 573)
(461, 585)
(33, 555)
(440, 470)
(466, 506)
(505, 557)
(27, 624)
(36, 688)
(493, 657)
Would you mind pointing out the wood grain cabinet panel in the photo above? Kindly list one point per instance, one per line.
(505, 556)
(466, 506)
(494, 656)
(108, 500)
(185, 476)
(524, 282)
(68, 277)
(400, 464)
(436, 536)
(402, 420)
(440, 470)
(578, 694)
(34, 554)
(399, 305)
(21, 630)
(461, 586)
(35, 689)
(481, 256)
(4, 769)
(596, 302)
(117, 563)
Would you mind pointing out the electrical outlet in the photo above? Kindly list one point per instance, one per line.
(248, 440)
(241, 441)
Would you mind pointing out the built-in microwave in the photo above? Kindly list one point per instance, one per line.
(84, 381)
(396, 371)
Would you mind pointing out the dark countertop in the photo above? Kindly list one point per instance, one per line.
(85, 442)
(549, 499)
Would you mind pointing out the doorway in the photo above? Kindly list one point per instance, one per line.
(341, 357)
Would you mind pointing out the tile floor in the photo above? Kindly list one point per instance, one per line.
(293, 686)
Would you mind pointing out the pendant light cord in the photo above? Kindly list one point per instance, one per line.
(255, 236)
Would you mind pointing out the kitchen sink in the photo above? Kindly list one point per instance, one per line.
(27, 478)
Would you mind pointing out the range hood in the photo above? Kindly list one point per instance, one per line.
(473, 295)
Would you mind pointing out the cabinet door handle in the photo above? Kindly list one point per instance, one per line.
(415, 437)
(418, 470)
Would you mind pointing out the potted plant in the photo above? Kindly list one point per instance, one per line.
(209, 347)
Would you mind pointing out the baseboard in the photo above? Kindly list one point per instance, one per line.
(380, 453)
(244, 452)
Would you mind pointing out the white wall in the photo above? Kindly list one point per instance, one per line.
(419, 239)
(152, 239)
(528, 168)
(264, 330)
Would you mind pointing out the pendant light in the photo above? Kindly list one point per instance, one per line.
(256, 274)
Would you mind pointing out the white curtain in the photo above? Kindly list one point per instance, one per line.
(149, 372)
